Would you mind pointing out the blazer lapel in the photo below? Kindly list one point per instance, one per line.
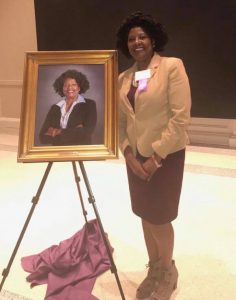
(154, 64)
(129, 76)
(126, 86)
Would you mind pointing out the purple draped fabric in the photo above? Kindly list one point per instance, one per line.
(70, 268)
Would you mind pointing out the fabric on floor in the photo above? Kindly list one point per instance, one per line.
(70, 268)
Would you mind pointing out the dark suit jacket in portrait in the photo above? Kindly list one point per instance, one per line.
(83, 114)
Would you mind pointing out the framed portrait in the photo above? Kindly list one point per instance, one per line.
(69, 106)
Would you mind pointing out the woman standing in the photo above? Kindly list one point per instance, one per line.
(155, 103)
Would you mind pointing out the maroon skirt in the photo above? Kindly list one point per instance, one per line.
(157, 201)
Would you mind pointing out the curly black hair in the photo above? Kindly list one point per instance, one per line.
(153, 29)
(80, 78)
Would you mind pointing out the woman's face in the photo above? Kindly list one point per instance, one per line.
(71, 89)
(140, 45)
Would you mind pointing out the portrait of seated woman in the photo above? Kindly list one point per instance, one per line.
(72, 120)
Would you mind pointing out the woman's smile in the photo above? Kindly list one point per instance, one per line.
(71, 89)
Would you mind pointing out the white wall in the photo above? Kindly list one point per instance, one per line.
(213, 132)
(17, 35)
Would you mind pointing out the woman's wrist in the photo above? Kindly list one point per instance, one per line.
(157, 160)
(128, 150)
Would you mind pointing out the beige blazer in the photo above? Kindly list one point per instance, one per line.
(162, 112)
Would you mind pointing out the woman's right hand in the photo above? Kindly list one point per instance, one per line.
(135, 165)
(53, 131)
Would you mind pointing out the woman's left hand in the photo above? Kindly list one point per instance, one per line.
(150, 167)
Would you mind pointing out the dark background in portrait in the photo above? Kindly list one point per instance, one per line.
(201, 32)
(46, 95)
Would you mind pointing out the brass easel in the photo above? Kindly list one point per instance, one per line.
(91, 200)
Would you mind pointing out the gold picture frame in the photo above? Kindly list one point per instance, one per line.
(41, 68)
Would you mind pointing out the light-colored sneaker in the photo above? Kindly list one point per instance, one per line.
(150, 282)
(167, 284)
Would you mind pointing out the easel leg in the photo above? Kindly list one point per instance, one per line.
(92, 201)
(77, 180)
(35, 202)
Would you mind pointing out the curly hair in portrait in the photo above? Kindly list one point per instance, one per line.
(152, 28)
(79, 77)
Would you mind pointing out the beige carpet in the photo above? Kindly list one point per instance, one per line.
(205, 244)
(7, 295)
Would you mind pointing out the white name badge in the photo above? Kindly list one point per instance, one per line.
(140, 75)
